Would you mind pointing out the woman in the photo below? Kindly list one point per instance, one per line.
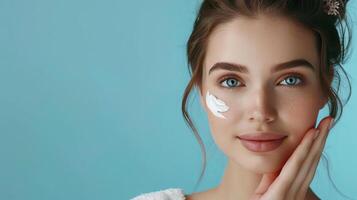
(264, 70)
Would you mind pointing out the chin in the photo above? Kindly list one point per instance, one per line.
(261, 165)
(265, 170)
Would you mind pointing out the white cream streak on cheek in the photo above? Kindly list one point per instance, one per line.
(216, 105)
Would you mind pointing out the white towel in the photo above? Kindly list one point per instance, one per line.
(167, 194)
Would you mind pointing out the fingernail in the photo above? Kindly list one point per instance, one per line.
(331, 123)
(316, 133)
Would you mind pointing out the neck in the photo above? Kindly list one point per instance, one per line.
(237, 182)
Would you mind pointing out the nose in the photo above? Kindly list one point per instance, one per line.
(261, 107)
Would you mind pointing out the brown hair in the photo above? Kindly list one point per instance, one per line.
(330, 38)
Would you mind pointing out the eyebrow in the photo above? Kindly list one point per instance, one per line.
(281, 66)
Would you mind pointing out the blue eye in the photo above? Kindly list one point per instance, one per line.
(230, 82)
(291, 80)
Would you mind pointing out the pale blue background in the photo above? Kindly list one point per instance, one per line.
(90, 103)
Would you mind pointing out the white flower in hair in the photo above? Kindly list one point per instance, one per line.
(331, 7)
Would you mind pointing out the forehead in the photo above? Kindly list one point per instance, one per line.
(261, 42)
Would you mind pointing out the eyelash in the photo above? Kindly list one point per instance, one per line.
(296, 75)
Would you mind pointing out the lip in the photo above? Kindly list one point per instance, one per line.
(261, 142)
(262, 136)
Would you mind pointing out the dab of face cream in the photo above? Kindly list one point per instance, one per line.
(216, 105)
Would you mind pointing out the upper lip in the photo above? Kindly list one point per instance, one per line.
(261, 136)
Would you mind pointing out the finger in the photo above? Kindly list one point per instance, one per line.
(320, 144)
(297, 183)
(291, 168)
(298, 186)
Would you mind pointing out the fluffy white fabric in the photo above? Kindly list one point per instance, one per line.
(167, 194)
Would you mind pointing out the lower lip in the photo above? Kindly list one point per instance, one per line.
(261, 146)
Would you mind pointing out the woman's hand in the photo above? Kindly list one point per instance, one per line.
(293, 180)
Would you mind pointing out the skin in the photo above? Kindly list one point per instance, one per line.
(262, 100)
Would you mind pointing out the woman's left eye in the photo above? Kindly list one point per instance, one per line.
(292, 80)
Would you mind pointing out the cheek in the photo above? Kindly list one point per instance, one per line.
(219, 128)
(221, 132)
(299, 114)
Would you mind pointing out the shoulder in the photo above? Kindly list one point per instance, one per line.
(166, 194)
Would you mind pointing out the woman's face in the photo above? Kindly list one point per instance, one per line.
(263, 97)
